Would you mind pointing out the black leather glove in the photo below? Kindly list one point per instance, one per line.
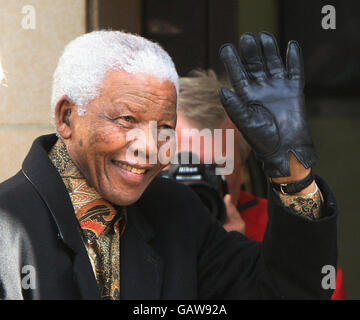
(268, 104)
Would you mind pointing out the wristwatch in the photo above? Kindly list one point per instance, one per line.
(293, 187)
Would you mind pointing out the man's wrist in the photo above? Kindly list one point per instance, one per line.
(297, 173)
(308, 190)
(294, 187)
(307, 204)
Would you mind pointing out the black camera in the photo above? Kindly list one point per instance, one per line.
(202, 179)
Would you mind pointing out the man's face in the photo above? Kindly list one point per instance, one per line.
(99, 146)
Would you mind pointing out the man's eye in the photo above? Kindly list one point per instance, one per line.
(127, 118)
(165, 131)
(165, 126)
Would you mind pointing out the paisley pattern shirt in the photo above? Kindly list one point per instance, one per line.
(101, 223)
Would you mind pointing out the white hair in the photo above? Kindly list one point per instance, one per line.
(86, 60)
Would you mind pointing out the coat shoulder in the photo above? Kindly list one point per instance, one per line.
(168, 199)
(162, 186)
(168, 192)
(17, 193)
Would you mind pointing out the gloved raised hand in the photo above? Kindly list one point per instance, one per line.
(268, 103)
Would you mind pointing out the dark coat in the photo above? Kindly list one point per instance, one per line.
(171, 249)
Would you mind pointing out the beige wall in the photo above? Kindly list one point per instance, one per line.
(29, 57)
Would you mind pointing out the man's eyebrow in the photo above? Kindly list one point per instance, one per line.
(152, 97)
(133, 108)
(123, 106)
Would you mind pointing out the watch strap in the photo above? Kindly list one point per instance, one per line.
(293, 187)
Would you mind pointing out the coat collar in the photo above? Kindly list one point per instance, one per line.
(39, 170)
(141, 267)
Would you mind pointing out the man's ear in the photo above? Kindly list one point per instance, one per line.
(64, 110)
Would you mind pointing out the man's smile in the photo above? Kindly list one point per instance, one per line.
(131, 167)
(132, 172)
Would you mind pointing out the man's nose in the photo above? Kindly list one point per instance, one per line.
(151, 145)
(144, 144)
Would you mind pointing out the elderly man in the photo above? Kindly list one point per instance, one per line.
(86, 217)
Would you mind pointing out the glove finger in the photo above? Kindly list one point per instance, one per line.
(272, 58)
(251, 52)
(294, 61)
(234, 107)
(234, 67)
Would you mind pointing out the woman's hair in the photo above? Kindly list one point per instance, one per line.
(199, 99)
(200, 104)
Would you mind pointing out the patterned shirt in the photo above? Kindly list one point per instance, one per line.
(101, 223)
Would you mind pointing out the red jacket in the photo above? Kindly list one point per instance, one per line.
(253, 210)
